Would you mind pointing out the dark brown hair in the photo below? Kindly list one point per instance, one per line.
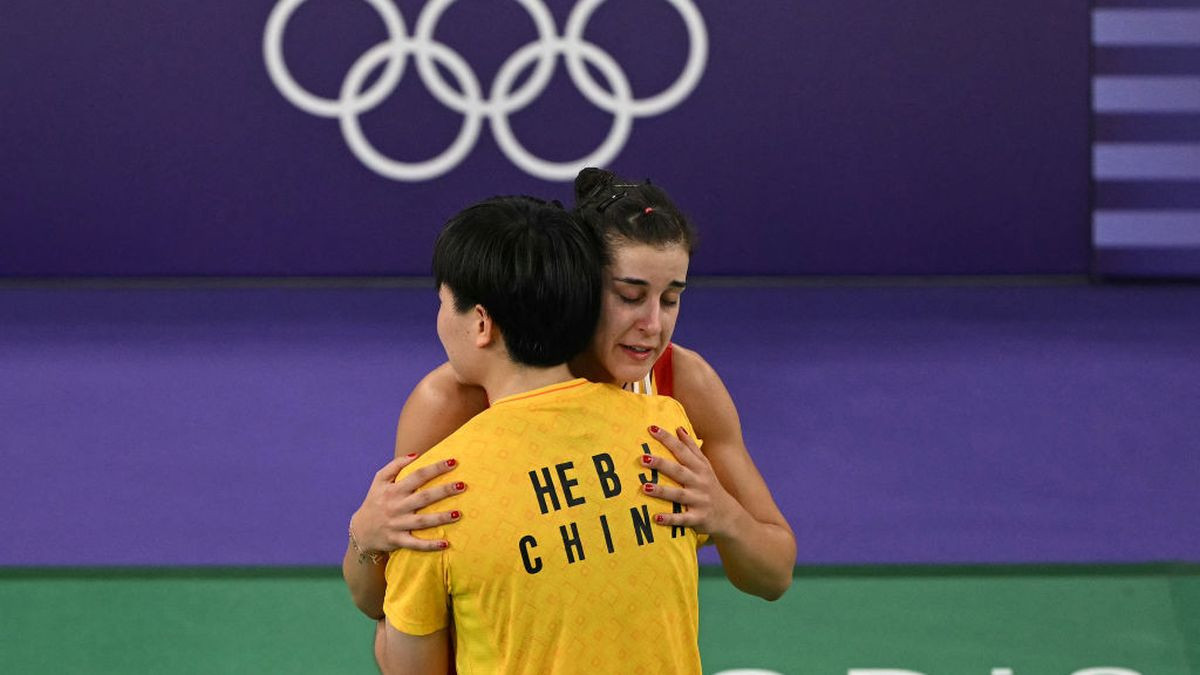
(621, 210)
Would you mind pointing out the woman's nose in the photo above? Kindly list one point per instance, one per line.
(651, 320)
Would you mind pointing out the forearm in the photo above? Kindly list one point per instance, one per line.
(758, 557)
(758, 549)
(366, 582)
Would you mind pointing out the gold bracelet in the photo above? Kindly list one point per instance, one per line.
(363, 556)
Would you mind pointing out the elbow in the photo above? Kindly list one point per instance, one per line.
(778, 577)
(369, 604)
(768, 587)
(767, 575)
(367, 600)
(372, 613)
(774, 589)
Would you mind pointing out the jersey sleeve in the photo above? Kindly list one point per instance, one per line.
(417, 601)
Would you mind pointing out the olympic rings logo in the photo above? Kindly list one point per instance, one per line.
(468, 100)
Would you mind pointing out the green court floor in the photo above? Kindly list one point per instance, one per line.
(934, 621)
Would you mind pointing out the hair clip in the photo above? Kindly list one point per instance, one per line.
(649, 210)
(611, 199)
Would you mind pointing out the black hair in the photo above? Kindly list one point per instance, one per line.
(639, 213)
(535, 268)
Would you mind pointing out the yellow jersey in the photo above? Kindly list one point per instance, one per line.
(557, 565)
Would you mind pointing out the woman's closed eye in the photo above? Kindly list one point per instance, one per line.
(638, 299)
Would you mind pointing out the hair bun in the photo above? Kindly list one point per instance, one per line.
(591, 179)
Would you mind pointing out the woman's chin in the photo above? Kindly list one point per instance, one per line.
(621, 368)
(626, 373)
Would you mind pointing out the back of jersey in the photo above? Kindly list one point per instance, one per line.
(557, 565)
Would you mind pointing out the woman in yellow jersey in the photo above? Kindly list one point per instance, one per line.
(726, 497)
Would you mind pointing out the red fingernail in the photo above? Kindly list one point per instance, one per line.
(443, 544)
(460, 486)
(451, 462)
(683, 431)
(653, 429)
(455, 515)
(411, 455)
(659, 519)
(646, 459)
(648, 487)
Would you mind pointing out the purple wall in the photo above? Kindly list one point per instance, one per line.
(833, 136)
(894, 425)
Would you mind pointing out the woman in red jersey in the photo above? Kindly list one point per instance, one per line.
(650, 245)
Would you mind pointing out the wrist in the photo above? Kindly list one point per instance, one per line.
(737, 524)
(364, 554)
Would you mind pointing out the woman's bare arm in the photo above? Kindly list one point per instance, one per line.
(437, 406)
(755, 542)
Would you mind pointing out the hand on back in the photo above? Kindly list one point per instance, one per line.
(388, 514)
(709, 508)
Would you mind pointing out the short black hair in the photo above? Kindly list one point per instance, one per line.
(625, 211)
(535, 267)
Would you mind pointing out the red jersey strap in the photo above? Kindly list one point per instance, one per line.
(664, 374)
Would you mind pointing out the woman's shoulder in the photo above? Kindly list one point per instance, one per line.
(435, 408)
(703, 396)
(692, 374)
(440, 380)
(440, 390)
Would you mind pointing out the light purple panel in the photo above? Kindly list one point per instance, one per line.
(1146, 138)
(833, 136)
(988, 425)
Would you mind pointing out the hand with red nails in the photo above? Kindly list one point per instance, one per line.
(388, 514)
(437, 406)
(709, 508)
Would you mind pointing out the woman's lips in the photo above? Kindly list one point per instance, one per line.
(637, 353)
